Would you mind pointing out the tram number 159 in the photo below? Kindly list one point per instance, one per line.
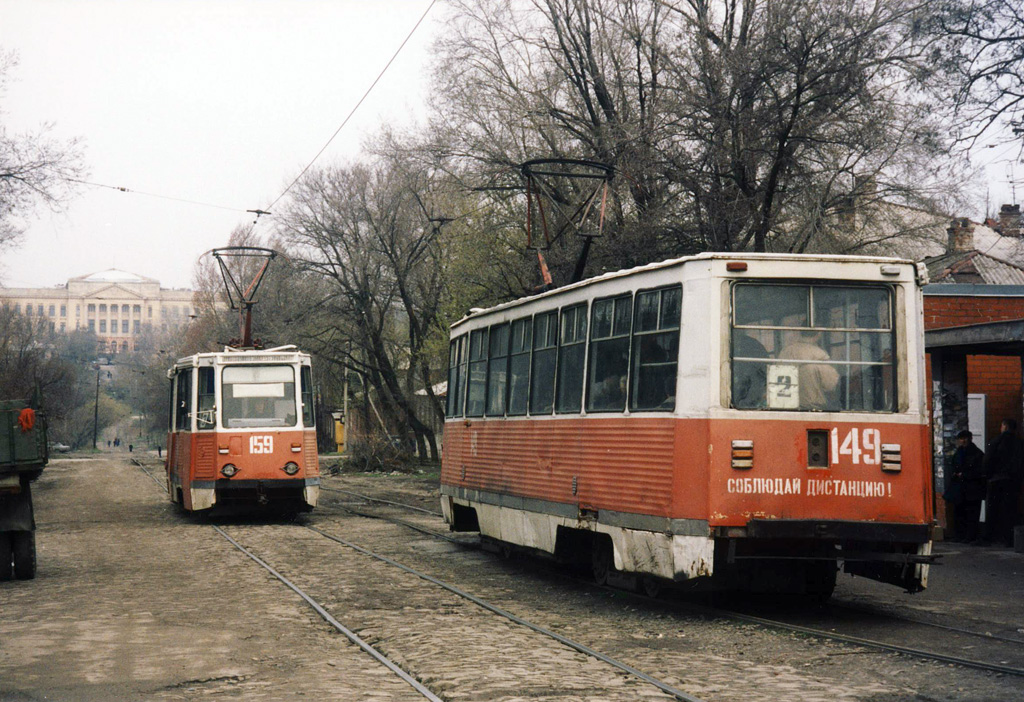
(261, 444)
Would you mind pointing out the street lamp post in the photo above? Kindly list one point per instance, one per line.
(96, 408)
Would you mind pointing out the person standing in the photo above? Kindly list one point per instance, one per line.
(1004, 467)
(966, 488)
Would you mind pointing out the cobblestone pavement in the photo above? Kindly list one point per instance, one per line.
(715, 659)
(134, 600)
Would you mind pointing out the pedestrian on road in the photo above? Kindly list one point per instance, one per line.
(966, 488)
(1004, 468)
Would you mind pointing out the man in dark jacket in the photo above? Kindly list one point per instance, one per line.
(967, 487)
(1004, 467)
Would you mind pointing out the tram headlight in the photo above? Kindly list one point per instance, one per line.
(290, 468)
(229, 470)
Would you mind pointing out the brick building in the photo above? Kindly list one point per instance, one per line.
(119, 307)
(971, 286)
(974, 332)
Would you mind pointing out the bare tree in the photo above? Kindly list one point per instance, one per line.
(35, 168)
(982, 50)
(567, 79)
(732, 124)
(367, 233)
(55, 367)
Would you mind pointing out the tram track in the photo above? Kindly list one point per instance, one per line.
(323, 612)
(780, 625)
(316, 606)
(369, 498)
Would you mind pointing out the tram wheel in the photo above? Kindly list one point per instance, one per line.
(5, 556)
(23, 545)
(602, 561)
(650, 586)
(821, 581)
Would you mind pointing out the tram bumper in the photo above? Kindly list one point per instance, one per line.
(894, 553)
(289, 493)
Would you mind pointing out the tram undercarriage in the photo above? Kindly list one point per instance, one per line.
(765, 557)
(285, 496)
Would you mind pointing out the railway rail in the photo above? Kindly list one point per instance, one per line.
(781, 625)
(322, 611)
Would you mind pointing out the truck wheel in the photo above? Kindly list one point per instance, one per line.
(5, 556)
(23, 545)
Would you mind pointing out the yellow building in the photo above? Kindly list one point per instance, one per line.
(118, 306)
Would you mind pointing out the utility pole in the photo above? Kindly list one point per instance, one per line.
(96, 409)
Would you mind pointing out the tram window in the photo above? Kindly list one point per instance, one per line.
(306, 384)
(456, 376)
(519, 366)
(497, 370)
(183, 401)
(476, 389)
(610, 325)
(655, 349)
(814, 347)
(542, 374)
(258, 396)
(206, 417)
(571, 356)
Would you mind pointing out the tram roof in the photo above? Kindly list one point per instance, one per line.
(231, 355)
(706, 256)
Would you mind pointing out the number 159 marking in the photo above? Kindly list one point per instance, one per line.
(261, 444)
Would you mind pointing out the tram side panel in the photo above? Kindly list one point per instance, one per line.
(680, 495)
(642, 481)
(192, 463)
(609, 463)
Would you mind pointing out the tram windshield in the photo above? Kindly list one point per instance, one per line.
(813, 347)
(259, 396)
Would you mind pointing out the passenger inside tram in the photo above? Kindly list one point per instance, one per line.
(817, 381)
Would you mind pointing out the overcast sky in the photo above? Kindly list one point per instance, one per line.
(220, 102)
(214, 101)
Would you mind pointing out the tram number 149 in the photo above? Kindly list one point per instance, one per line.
(859, 444)
(264, 444)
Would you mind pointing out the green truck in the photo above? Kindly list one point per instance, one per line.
(23, 454)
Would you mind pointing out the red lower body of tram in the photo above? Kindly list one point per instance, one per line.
(770, 504)
(272, 469)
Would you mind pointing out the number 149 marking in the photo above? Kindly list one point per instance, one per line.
(859, 444)
(261, 444)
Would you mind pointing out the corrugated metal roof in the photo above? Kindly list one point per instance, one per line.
(973, 267)
(996, 272)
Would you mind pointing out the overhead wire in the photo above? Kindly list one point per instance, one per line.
(266, 211)
(121, 188)
(357, 105)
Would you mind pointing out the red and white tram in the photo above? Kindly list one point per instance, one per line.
(242, 431)
(747, 421)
